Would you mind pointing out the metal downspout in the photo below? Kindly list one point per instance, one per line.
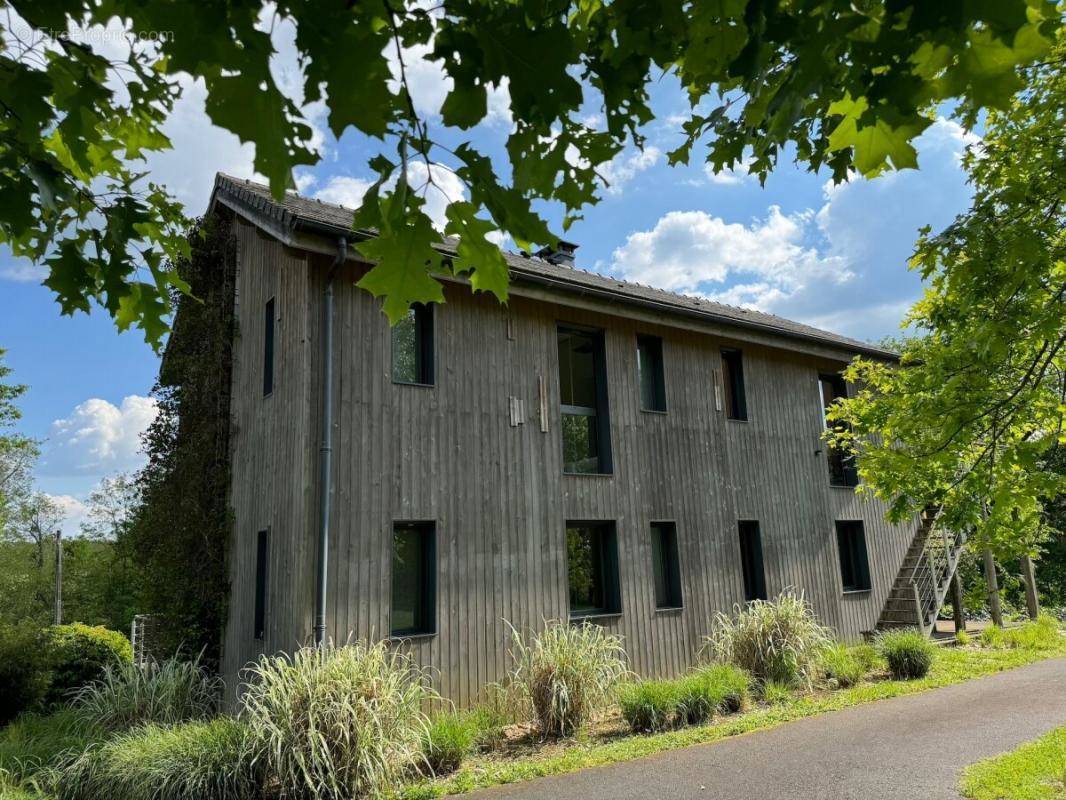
(325, 452)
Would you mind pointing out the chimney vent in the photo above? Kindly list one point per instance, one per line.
(562, 256)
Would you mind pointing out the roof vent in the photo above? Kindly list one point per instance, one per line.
(562, 256)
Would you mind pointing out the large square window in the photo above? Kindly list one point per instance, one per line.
(592, 568)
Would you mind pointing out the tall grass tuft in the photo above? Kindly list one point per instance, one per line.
(649, 706)
(718, 689)
(1043, 633)
(339, 721)
(566, 673)
(841, 666)
(165, 693)
(205, 760)
(777, 640)
(34, 743)
(454, 735)
(908, 653)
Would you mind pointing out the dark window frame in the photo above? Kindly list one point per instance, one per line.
(752, 563)
(262, 568)
(425, 347)
(843, 473)
(609, 574)
(736, 399)
(669, 563)
(601, 411)
(853, 556)
(427, 529)
(656, 369)
(269, 324)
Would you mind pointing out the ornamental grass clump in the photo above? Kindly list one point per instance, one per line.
(718, 689)
(205, 760)
(779, 640)
(841, 666)
(453, 735)
(908, 652)
(166, 693)
(1043, 633)
(649, 706)
(335, 723)
(566, 674)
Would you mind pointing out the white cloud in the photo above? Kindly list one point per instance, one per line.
(73, 511)
(21, 270)
(99, 437)
(843, 267)
(625, 166)
(730, 176)
(343, 190)
(446, 188)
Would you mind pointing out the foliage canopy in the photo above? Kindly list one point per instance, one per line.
(837, 84)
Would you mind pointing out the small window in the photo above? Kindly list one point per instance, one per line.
(842, 471)
(650, 373)
(854, 564)
(414, 589)
(268, 348)
(583, 395)
(412, 347)
(751, 561)
(736, 405)
(592, 568)
(262, 555)
(665, 564)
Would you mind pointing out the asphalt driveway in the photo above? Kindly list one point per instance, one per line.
(907, 748)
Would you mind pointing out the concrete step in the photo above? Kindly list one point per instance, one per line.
(907, 617)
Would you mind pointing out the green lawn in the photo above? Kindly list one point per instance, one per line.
(1035, 771)
(951, 666)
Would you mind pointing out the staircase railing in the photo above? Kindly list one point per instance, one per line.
(932, 574)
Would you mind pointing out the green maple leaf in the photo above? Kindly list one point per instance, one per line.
(476, 253)
(876, 144)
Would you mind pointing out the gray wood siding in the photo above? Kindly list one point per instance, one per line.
(496, 492)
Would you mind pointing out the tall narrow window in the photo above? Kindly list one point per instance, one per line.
(414, 589)
(842, 470)
(268, 348)
(751, 560)
(665, 564)
(583, 391)
(854, 562)
(736, 404)
(262, 556)
(592, 568)
(650, 373)
(412, 347)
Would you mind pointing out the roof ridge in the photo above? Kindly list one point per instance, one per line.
(341, 217)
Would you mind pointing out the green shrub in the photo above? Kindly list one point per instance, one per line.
(80, 654)
(842, 666)
(204, 760)
(648, 706)
(338, 722)
(868, 656)
(720, 688)
(777, 640)
(962, 638)
(35, 742)
(774, 693)
(993, 637)
(908, 653)
(566, 673)
(166, 693)
(25, 669)
(450, 738)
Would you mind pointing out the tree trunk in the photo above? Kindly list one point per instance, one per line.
(994, 606)
(956, 603)
(1032, 601)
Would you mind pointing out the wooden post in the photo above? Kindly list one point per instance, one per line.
(956, 603)
(59, 578)
(994, 606)
(1032, 600)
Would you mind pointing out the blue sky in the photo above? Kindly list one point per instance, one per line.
(831, 256)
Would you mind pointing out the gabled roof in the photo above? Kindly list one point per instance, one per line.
(295, 213)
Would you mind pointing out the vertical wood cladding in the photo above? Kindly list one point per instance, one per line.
(452, 454)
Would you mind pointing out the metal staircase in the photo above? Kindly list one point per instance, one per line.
(924, 578)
